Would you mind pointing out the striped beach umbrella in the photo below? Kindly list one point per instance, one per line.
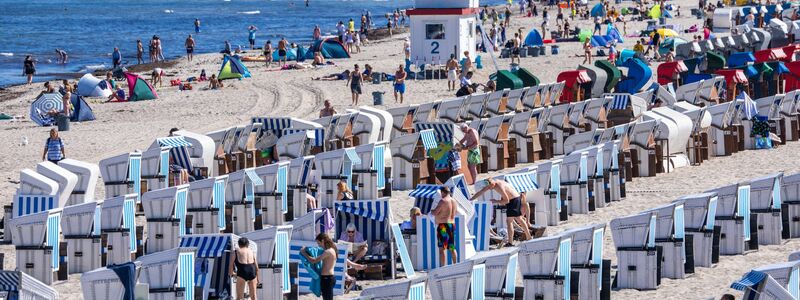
(44, 104)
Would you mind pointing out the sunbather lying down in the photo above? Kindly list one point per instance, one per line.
(334, 76)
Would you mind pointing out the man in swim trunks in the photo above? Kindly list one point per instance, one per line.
(282, 51)
(445, 217)
(452, 73)
(399, 83)
(513, 204)
(470, 141)
(189, 47)
(196, 25)
(251, 36)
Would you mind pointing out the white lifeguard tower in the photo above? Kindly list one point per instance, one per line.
(440, 28)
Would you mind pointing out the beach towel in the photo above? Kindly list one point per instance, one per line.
(127, 275)
(313, 269)
(761, 133)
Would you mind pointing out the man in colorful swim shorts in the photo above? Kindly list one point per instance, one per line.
(445, 216)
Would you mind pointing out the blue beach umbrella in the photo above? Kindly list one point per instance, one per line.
(43, 105)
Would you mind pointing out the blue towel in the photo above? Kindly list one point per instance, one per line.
(127, 275)
(313, 269)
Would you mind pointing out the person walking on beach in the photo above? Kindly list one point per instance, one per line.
(355, 81)
(328, 259)
(340, 31)
(196, 25)
(227, 49)
(452, 73)
(116, 58)
(139, 52)
(587, 51)
(251, 36)
(268, 53)
(189, 47)
(54, 148)
(152, 49)
(159, 50)
(61, 56)
(282, 47)
(513, 203)
(244, 268)
(399, 83)
(445, 217)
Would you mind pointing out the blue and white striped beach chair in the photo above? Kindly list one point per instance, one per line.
(334, 166)
(304, 278)
(165, 212)
(206, 204)
(156, 168)
(118, 228)
(16, 285)
(297, 184)
(545, 265)
(500, 272)
(80, 225)
(587, 261)
(273, 260)
(240, 197)
(371, 171)
(36, 240)
(699, 213)
(408, 153)
(202, 151)
(760, 285)
(670, 235)
(169, 274)
(372, 219)
(122, 174)
(214, 252)
(273, 194)
(637, 257)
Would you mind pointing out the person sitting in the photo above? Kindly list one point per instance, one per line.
(411, 224)
(367, 72)
(490, 86)
(214, 83)
(203, 75)
(351, 235)
(48, 88)
(334, 76)
(311, 202)
(327, 110)
(117, 95)
(319, 60)
(344, 193)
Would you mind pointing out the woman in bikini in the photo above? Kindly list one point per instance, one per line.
(244, 267)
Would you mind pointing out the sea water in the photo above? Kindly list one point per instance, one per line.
(88, 30)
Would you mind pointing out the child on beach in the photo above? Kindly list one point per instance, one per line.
(118, 95)
(214, 83)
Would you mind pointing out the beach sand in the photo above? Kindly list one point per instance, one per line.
(125, 127)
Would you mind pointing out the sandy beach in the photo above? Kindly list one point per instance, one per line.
(125, 127)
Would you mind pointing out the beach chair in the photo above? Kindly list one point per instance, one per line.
(304, 276)
(545, 266)
(334, 166)
(638, 259)
(212, 258)
(273, 260)
(593, 272)
(790, 205)
(366, 128)
(271, 198)
(671, 237)
(791, 117)
(206, 205)
(35, 193)
(457, 281)
(549, 201)
(738, 231)
(413, 288)
(116, 282)
(676, 129)
(770, 107)
(18, 285)
(614, 170)
(426, 254)
(575, 117)
(240, 200)
(697, 148)
(118, 229)
(575, 177)
(787, 274)
(699, 212)
(646, 157)
(523, 181)
(298, 143)
(155, 170)
(386, 121)
(297, 185)
(36, 241)
(597, 181)
(724, 136)
(529, 141)
(402, 120)
(765, 204)
(451, 110)
(514, 99)
(165, 212)
(532, 98)
(688, 92)
(497, 144)
(475, 106)
(496, 103)
(80, 225)
(372, 219)
(122, 174)
(446, 136)
(409, 158)
(599, 79)
(370, 174)
(761, 286)
(66, 180)
(500, 272)
(558, 125)
(201, 152)
(425, 112)
(169, 274)
(87, 174)
(594, 113)
(225, 142)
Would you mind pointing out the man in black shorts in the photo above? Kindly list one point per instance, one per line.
(512, 200)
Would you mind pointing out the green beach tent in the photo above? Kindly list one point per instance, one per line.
(584, 34)
(232, 68)
(139, 89)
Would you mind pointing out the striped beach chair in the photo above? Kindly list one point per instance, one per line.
(272, 196)
(545, 265)
(409, 154)
(118, 229)
(790, 205)
(671, 237)
(297, 184)
(66, 180)
(522, 181)
(407, 289)
(273, 260)
(737, 235)
(372, 219)
(240, 197)
(370, 176)
(169, 274)
(761, 286)
(366, 128)
(386, 121)
(451, 281)
(587, 261)
(500, 272)
(425, 247)
(699, 212)
(787, 274)
(214, 252)
(334, 166)
(110, 283)
(165, 212)
(575, 177)
(765, 204)
(179, 152)
(87, 180)
(80, 225)
(122, 174)
(304, 278)
(18, 285)
(206, 204)
(36, 241)
(451, 110)
(201, 153)
(637, 256)
(529, 140)
(156, 168)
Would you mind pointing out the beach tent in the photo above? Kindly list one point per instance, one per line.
(90, 86)
(655, 12)
(81, 110)
(43, 105)
(291, 54)
(584, 34)
(670, 43)
(329, 47)
(638, 76)
(598, 10)
(139, 89)
(533, 38)
(232, 68)
(599, 41)
(613, 34)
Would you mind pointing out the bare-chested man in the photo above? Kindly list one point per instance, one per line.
(328, 259)
(513, 202)
(452, 73)
(445, 216)
(470, 141)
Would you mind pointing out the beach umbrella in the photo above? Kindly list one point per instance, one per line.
(44, 104)
(584, 34)
(666, 32)
(669, 44)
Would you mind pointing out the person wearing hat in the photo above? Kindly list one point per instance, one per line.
(470, 142)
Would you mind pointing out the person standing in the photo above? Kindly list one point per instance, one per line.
(355, 81)
(282, 48)
(54, 148)
(159, 50)
(251, 36)
(470, 142)
(515, 49)
(317, 33)
(467, 67)
(328, 259)
(243, 266)
(29, 68)
(513, 203)
(196, 25)
(445, 217)
(268, 53)
(452, 73)
(139, 52)
(116, 58)
(351, 25)
(189, 47)
(587, 51)
(340, 31)
(399, 83)
(152, 49)
(227, 49)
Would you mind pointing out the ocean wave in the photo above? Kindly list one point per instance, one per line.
(254, 12)
(92, 68)
(168, 11)
(6, 54)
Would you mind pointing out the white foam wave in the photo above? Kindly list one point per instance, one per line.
(254, 12)
(168, 11)
(6, 54)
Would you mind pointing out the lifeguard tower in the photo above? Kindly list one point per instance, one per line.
(440, 28)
